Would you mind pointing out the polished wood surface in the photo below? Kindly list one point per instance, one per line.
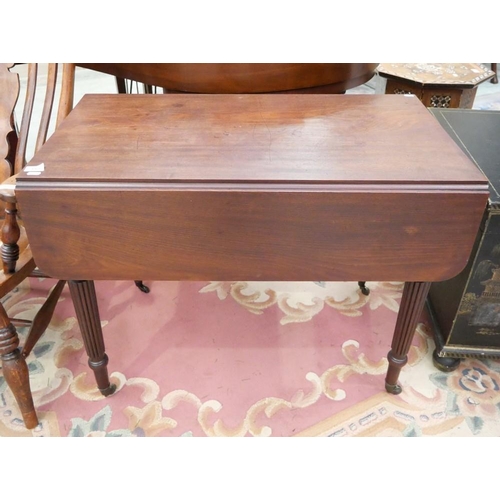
(291, 187)
(294, 187)
(253, 138)
(271, 233)
(242, 78)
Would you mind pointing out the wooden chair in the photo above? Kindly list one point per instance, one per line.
(18, 263)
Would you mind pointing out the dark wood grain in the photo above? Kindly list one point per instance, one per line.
(253, 138)
(242, 78)
(268, 234)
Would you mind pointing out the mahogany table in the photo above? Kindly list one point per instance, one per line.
(240, 78)
(251, 187)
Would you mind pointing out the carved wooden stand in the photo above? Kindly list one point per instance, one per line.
(87, 313)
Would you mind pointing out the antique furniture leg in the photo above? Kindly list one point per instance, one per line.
(121, 86)
(364, 289)
(445, 364)
(15, 370)
(87, 313)
(42, 319)
(141, 286)
(10, 236)
(412, 304)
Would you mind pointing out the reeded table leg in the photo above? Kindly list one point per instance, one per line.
(15, 370)
(87, 313)
(412, 304)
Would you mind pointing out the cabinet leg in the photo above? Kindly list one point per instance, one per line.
(412, 304)
(87, 313)
(15, 370)
(445, 364)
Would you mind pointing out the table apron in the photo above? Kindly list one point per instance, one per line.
(231, 235)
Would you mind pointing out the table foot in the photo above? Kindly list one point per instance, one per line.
(445, 364)
(15, 370)
(108, 391)
(141, 286)
(393, 388)
(87, 313)
(412, 304)
(364, 289)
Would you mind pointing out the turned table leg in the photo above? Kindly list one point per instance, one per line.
(87, 313)
(412, 304)
(15, 370)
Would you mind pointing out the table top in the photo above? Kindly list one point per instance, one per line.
(327, 139)
(476, 132)
(463, 75)
(253, 187)
(242, 78)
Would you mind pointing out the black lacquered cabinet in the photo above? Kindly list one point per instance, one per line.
(466, 309)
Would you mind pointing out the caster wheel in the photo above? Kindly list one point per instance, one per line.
(445, 364)
(141, 286)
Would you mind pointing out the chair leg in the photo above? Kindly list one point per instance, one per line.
(10, 236)
(42, 318)
(15, 370)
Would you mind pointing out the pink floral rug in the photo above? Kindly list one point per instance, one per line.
(245, 359)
